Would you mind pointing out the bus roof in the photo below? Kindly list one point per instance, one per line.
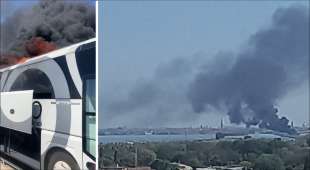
(52, 54)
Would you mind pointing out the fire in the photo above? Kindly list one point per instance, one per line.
(8, 60)
(21, 60)
(34, 47)
(38, 46)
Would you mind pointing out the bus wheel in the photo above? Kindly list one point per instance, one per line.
(61, 161)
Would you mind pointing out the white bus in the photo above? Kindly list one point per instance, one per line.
(48, 109)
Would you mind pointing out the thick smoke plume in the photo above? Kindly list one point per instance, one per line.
(156, 100)
(48, 25)
(247, 86)
(275, 61)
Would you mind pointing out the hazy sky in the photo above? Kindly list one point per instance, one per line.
(139, 37)
(9, 7)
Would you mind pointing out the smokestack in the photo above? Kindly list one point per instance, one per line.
(222, 124)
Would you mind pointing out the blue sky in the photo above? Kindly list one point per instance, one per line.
(137, 36)
(8, 7)
(147, 33)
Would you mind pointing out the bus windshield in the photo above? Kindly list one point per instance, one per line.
(90, 116)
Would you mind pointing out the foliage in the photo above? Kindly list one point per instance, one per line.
(246, 164)
(268, 162)
(162, 165)
(251, 153)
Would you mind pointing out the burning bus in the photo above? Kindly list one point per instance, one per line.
(48, 109)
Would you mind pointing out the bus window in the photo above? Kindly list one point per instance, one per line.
(35, 80)
(90, 115)
(86, 59)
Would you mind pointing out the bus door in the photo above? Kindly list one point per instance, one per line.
(16, 110)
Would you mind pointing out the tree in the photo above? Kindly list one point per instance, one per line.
(145, 156)
(127, 159)
(166, 151)
(228, 156)
(268, 162)
(162, 165)
(246, 164)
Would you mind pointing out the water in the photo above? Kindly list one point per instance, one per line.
(105, 139)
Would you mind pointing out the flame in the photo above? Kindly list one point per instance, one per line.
(21, 60)
(34, 47)
(38, 46)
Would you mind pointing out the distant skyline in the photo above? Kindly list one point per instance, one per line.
(140, 38)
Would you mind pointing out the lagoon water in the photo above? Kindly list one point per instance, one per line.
(105, 139)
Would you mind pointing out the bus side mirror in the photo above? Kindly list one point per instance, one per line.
(36, 109)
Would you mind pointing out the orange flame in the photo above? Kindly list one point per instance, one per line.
(34, 47)
(21, 60)
(38, 46)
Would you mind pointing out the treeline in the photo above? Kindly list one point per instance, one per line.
(260, 154)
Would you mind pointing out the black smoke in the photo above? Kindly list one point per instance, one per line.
(274, 62)
(246, 85)
(58, 21)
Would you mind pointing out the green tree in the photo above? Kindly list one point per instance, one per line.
(162, 165)
(127, 159)
(145, 156)
(246, 164)
(268, 162)
(166, 151)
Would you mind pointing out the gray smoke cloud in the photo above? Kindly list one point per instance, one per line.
(60, 22)
(246, 86)
(275, 61)
(156, 100)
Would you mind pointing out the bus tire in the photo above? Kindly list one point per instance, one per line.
(61, 158)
